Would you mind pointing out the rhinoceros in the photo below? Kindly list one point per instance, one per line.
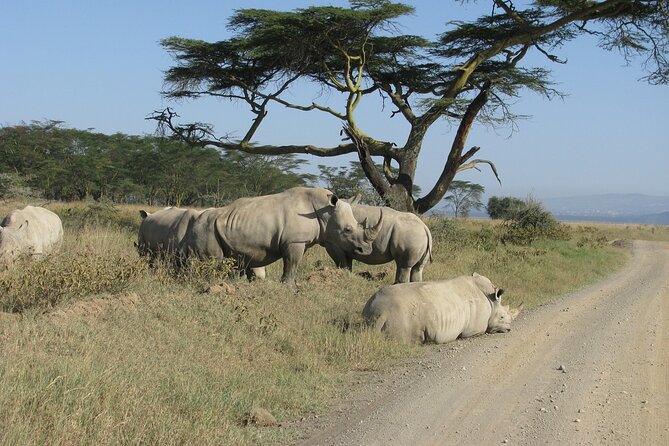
(403, 237)
(162, 233)
(439, 311)
(32, 231)
(258, 231)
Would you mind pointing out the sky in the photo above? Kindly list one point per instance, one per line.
(99, 65)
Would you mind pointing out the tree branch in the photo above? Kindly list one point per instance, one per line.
(472, 165)
(378, 182)
(202, 135)
(454, 157)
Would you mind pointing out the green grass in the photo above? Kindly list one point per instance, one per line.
(149, 358)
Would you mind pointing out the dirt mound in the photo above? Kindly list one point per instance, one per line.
(374, 276)
(94, 308)
(220, 288)
(327, 276)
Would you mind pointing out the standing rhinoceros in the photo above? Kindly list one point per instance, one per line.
(257, 231)
(403, 237)
(162, 233)
(439, 311)
(33, 231)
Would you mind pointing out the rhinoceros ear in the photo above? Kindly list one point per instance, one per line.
(498, 293)
(333, 199)
(143, 214)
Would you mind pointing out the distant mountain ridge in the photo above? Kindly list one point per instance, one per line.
(612, 208)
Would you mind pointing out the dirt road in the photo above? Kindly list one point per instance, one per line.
(589, 369)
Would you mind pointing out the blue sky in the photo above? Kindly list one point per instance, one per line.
(98, 64)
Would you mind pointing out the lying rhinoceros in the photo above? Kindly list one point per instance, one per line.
(439, 311)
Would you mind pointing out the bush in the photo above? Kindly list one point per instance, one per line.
(504, 208)
(453, 232)
(97, 213)
(531, 223)
(15, 187)
(61, 277)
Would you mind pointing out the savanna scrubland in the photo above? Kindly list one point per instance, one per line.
(98, 349)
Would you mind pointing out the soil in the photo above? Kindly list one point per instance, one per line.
(591, 368)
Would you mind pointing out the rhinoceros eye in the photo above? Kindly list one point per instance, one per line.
(348, 229)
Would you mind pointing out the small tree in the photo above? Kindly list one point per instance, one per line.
(504, 207)
(463, 197)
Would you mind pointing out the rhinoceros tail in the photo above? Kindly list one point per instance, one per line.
(427, 255)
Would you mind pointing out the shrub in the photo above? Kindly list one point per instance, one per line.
(15, 187)
(61, 277)
(97, 213)
(531, 223)
(504, 207)
(453, 232)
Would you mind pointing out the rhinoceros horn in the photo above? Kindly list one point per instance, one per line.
(372, 233)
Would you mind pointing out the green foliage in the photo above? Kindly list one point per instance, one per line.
(14, 186)
(531, 223)
(67, 164)
(463, 197)
(348, 182)
(253, 175)
(504, 207)
(96, 213)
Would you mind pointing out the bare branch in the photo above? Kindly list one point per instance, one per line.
(473, 165)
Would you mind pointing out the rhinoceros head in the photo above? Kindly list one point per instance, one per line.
(11, 244)
(344, 231)
(501, 316)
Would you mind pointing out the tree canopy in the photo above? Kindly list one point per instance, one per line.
(471, 72)
(45, 159)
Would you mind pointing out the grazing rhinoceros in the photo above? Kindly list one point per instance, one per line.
(439, 311)
(403, 237)
(162, 233)
(257, 231)
(32, 231)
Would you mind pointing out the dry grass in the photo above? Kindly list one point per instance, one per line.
(126, 355)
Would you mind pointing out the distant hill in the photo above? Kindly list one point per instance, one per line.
(611, 208)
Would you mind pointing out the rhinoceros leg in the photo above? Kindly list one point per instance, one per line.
(292, 254)
(339, 257)
(417, 273)
(256, 273)
(402, 274)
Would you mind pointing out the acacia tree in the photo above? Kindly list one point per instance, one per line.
(471, 72)
(463, 197)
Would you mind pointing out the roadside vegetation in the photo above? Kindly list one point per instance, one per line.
(97, 349)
